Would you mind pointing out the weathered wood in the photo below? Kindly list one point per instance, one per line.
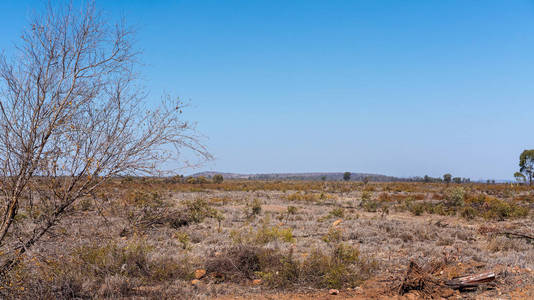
(471, 281)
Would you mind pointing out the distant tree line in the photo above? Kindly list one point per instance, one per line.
(346, 176)
(447, 178)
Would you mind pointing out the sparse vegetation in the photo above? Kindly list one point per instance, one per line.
(256, 207)
(292, 210)
(162, 231)
(91, 206)
(342, 266)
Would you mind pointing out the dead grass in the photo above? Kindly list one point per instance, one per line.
(146, 237)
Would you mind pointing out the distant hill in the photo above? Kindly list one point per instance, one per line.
(304, 176)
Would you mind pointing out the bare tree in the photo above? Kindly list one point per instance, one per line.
(72, 117)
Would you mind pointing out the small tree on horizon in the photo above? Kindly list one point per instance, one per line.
(346, 176)
(218, 178)
(447, 178)
(526, 164)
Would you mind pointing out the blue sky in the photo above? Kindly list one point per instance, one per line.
(403, 88)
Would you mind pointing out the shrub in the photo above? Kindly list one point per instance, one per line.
(268, 234)
(183, 238)
(197, 210)
(218, 178)
(370, 205)
(242, 236)
(265, 234)
(196, 180)
(193, 211)
(502, 243)
(306, 197)
(143, 199)
(256, 207)
(176, 179)
(337, 212)
(501, 210)
(366, 196)
(334, 235)
(455, 196)
(113, 258)
(283, 273)
(144, 209)
(166, 268)
(115, 286)
(343, 267)
(417, 209)
(239, 262)
(438, 209)
(468, 212)
(86, 204)
(291, 210)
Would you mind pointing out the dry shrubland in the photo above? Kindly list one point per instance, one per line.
(73, 224)
(149, 237)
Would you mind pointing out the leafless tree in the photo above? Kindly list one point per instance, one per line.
(72, 117)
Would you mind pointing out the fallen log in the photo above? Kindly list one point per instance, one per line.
(423, 281)
(471, 281)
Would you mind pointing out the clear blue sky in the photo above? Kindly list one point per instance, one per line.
(401, 88)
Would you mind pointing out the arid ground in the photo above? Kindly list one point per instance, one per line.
(163, 238)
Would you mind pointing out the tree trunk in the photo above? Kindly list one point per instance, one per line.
(9, 216)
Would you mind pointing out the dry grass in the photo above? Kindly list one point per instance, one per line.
(146, 237)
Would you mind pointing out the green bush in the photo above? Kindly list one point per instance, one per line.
(218, 178)
(455, 196)
(468, 212)
(268, 234)
(500, 210)
(199, 209)
(265, 234)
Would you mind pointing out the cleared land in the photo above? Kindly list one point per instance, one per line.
(159, 238)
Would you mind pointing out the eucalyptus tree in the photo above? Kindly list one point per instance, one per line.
(526, 164)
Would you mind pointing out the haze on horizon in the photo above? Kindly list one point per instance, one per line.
(400, 88)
